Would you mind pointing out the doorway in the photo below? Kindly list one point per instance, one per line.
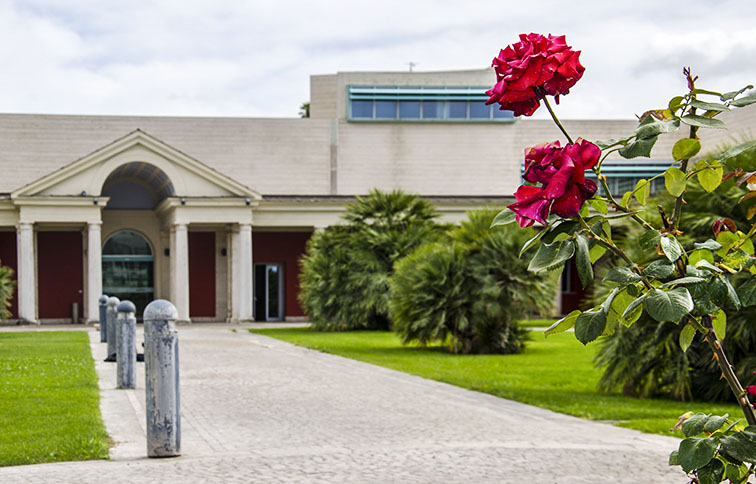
(128, 269)
(269, 284)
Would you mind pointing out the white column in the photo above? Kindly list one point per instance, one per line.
(241, 273)
(245, 308)
(94, 271)
(180, 270)
(27, 275)
(235, 276)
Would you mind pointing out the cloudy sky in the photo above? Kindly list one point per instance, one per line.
(254, 57)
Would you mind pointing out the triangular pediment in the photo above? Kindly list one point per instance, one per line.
(189, 177)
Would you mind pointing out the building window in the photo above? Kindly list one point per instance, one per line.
(480, 111)
(456, 109)
(429, 104)
(385, 110)
(432, 109)
(409, 109)
(362, 109)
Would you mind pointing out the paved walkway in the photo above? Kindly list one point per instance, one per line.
(260, 410)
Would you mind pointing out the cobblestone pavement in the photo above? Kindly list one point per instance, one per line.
(259, 410)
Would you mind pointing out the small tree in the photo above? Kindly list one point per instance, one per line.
(345, 273)
(468, 290)
(304, 110)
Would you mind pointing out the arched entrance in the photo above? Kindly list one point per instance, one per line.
(128, 268)
(137, 186)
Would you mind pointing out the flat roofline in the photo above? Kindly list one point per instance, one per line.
(349, 198)
(156, 116)
(482, 69)
(249, 118)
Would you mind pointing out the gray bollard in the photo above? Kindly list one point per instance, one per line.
(103, 318)
(110, 317)
(161, 365)
(126, 346)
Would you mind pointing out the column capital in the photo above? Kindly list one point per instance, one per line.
(97, 223)
(240, 227)
(25, 225)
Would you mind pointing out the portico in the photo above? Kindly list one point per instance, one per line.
(165, 219)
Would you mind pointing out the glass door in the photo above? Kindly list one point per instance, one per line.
(268, 303)
(128, 269)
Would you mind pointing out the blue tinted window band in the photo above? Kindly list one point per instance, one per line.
(423, 104)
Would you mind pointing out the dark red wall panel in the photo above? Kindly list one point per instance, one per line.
(574, 294)
(202, 274)
(9, 258)
(60, 273)
(285, 247)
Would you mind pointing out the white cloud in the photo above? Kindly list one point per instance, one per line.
(254, 58)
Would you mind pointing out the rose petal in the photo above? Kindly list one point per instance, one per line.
(558, 184)
(530, 76)
(568, 205)
(524, 108)
(530, 205)
(589, 188)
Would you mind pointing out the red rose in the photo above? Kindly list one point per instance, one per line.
(530, 69)
(561, 173)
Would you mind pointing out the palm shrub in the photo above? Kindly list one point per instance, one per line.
(468, 290)
(645, 360)
(6, 291)
(346, 269)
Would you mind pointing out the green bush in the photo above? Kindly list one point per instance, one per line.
(345, 272)
(645, 360)
(469, 289)
(7, 284)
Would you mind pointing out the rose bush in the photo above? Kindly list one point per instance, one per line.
(530, 69)
(686, 284)
(561, 172)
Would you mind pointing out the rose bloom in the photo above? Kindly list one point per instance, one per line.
(530, 69)
(561, 173)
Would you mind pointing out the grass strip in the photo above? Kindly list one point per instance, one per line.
(536, 323)
(555, 373)
(49, 399)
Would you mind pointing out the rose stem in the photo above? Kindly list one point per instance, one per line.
(728, 372)
(684, 163)
(556, 120)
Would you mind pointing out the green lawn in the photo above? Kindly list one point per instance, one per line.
(537, 323)
(49, 399)
(554, 373)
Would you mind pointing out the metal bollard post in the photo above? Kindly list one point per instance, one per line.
(110, 317)
(103, 318)
(126, 346)
(161, 365)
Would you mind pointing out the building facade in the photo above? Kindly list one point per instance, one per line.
(214, 213)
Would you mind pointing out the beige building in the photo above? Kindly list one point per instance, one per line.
(213, 213)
